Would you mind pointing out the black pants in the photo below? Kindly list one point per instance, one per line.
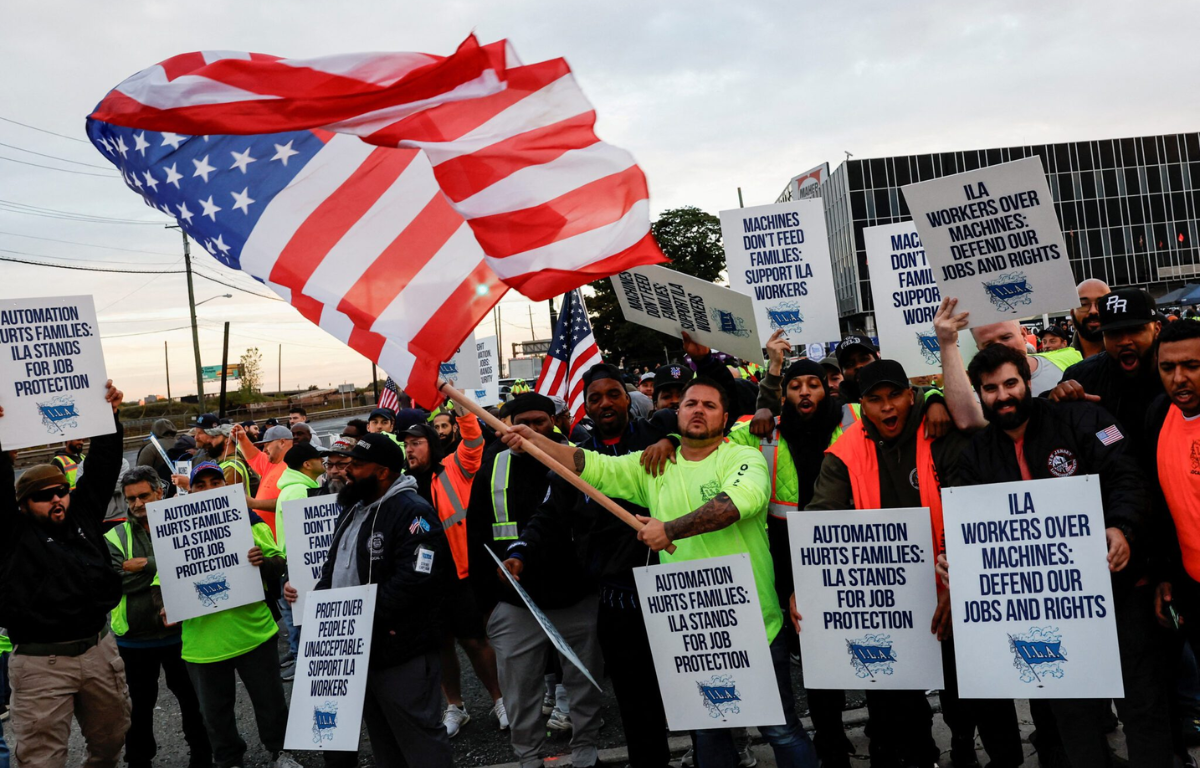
(996, 719)
(217, 691)
(403, 714)
(900, 726)
(781, 558)
(629, 664)
(142, 667)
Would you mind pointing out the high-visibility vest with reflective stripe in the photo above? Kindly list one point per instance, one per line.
(240, 467)
(502, 528)
(785, 488)
(69, 467)
(121, 536)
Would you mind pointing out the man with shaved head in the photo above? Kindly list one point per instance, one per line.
(1086, 317)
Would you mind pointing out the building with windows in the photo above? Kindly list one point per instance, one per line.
(1128, 209)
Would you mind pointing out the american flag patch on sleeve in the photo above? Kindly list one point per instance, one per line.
(1110, 435)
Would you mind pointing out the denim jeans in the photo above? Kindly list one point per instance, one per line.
(293, 632)
(793, 749)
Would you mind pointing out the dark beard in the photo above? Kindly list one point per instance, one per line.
(447, 444)
(807, 439)
(359, 490)
(1009, 420)
(1094, 337)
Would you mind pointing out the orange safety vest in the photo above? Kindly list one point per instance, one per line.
(857, 451)
(451, 489)
(1179, 475)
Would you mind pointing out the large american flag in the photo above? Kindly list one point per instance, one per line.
(391, 198)
(572, 351)
(390, 396)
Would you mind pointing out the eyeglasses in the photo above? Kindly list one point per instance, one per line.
(50, 494)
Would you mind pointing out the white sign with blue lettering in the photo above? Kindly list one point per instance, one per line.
(1030, 589)
(994, 241)
(307, 531)
(778, 255)
(866, 587)
(672, 302)
(906, 297)
(487, 355)
(201, 547)
(709, 643)
(331, 670)
(462, 370)
(51, 372)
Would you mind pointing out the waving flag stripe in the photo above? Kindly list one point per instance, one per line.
(572, 351)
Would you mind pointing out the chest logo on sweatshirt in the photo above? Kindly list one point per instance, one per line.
(914, 479)
(375, 545)
(1062, 463)
(709, 490)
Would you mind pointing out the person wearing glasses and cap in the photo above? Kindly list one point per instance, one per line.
(56, 591)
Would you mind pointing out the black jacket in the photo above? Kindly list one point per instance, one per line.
(1165, 561)
(56, 583)
(1126, 398)
(410, 604)
(569, 521)
(1060, 441)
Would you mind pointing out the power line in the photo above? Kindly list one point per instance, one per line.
(85, 220)
(144, 333)
(88, 245)
(59, 211)
(63, 170)
(56, 157)
(88, 269)
(235, 287)
(43, 130)
(92, 261)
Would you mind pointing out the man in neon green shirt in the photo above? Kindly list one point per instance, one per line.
(710, 502)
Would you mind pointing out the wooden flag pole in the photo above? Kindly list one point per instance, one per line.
(537, 453)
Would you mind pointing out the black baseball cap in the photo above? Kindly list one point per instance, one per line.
(601, 371)
(384, 413)
(672, 376)
(377, 448)
(879, 372)
(420, 430)
(1054, 330)
(300, 453)
(1126, 308)
(855, 342)
(207, 421)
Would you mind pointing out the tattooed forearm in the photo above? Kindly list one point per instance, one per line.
(712, 516)
(578, 460)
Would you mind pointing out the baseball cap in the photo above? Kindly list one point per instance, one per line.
(1054, 330)
(248, 424)
(205, 466)
(38, 477)
(601, 371)
(420, 430)
(300, 453)
(340, 445)
(854, 342)
(270, 422)
(831, 361)
(277, 432)
(207, 421)
(560, 405)
(376, 448)
(647, 376)
(1126, 308)
(672, 376)
(386, 413)
(879, 372)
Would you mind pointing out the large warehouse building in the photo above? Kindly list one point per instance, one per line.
(1128, 208)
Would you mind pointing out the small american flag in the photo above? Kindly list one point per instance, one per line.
(572, 351)
(1110, 435)
(392, 198)
(390, 396)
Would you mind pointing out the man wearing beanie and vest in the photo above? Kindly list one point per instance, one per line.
(56, 589)
(1031, 438)
(445, 482)
(810, 422)
(145, 643)
(507, 491)
(885, 461)
(709, 503)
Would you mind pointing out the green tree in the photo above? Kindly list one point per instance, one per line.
(691, 239)
(251, 369)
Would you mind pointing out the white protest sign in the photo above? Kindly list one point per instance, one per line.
(778, 255)
(672, 302)
(709, 643)
(308, 531)
(462, 370)
(200, 544)
(906, 297)
(1030, 590)
(994, 241)
(331, 670)
(488, 355)
(866, 588)
(51, 372)
(556, 638)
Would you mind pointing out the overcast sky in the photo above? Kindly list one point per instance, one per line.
(708, 96)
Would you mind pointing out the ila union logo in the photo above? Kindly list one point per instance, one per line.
(871, 655)
(1038, 654)
(786, 315)
(58, 414)
(212, 589)
(727, 322)
(324, 721)
(1009, 291)
(720, 696)
(931, 350)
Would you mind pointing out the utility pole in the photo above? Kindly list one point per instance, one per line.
(187, 262)
(167, 360)
(553, 316)
(375, 382)
(279, 370)
(224, 371)
(532, 335)
(740, 203)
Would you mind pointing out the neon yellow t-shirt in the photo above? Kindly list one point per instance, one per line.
(736, 470)
(223, 635)
(5, 644)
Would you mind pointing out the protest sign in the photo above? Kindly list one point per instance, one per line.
(906, 297)
(709, 643)
(1030, 590)
(556, 638)
(200, 545)
(52, 369)
(462, 370)
(308, 526)
(487, 354)
(778, 255)
(331, 670)
(994, 242)
(672, 302)
(866, 587)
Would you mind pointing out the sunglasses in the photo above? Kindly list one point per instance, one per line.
(50, 494)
